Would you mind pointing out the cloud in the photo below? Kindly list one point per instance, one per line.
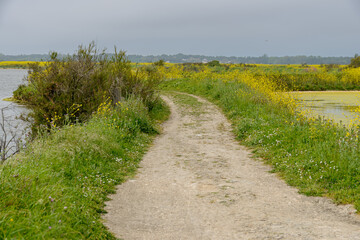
(231, 27)
(2, 9)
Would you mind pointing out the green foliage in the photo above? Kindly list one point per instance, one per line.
(214, 63)
(23, 93)
(312, 80)
(192, 67)
(355, 62)
(331, 67)
(94, 118)
(70, 89)
(73, 87)
(57, 187)
(320, 158)
(291, 77)
(142, 83)
(159, 63)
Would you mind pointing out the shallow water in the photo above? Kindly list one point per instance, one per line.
(336, 105)
(10, 79)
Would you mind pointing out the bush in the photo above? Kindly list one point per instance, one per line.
(355, 62)
(159, 63)
(71, 89)
(214, 63)
(127, 83)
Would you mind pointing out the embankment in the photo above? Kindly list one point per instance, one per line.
(56, 188)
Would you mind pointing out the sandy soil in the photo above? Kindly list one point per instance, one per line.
(197, 182)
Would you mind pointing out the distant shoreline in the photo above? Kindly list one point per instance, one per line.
(189, 58)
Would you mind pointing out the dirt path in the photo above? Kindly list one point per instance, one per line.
(196, 182)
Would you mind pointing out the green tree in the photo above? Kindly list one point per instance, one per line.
(159, 63)
(214, 63)
(355, 62)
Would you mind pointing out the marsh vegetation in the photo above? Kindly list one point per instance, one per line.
(314, 153)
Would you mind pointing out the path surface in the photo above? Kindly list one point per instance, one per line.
(196, 182)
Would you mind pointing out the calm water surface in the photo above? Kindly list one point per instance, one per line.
(9, 80)
(336, 105)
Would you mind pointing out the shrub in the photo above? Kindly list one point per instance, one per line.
(70, 89)
(214, 63)
(160, 63)
(126, 82)
(355, 62)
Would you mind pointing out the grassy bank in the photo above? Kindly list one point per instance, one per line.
(57, 187)
(318, 157)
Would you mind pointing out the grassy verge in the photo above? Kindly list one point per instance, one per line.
(56, 189)
(319, 158)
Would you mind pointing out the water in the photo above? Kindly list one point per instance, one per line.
(336, 105)
(10, 79)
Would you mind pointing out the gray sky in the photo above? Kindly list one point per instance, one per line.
(207, 27)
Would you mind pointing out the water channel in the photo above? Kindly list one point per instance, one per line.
(336, 105)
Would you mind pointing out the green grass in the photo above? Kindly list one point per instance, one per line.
(189, 104)
(186, 100)
(57, 187)
(319, 158)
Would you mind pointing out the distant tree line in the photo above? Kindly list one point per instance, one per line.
(182, 58)
(30, 57)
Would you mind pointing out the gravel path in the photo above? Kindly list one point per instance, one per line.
(197, 182)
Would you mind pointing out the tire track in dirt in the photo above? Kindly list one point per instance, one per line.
(197, 182)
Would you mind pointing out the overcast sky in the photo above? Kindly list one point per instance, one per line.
(207, 27)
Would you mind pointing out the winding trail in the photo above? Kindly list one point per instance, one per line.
(197, 182)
